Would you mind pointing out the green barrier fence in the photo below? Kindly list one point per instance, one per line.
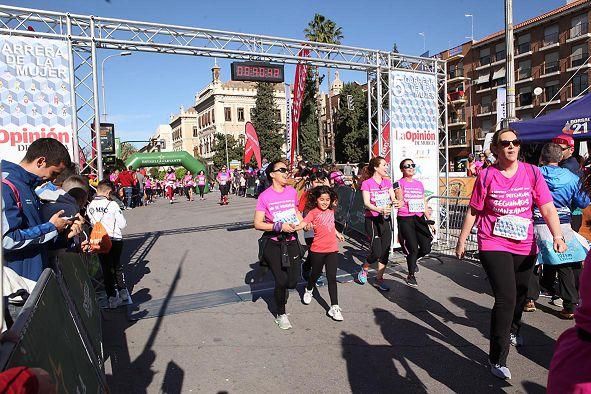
(47, 336)
(72, 268)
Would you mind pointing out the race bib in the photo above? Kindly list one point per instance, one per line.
(416, 206)
(289, 216)
(512, 227)
(382, 199)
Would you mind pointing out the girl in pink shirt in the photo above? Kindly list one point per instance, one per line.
(201, 179)
(413, 230)
(224, 179)
(169, 182)
(502, 200)
(188, 184)
(325, 249)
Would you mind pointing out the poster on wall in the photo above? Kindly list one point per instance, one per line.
(413, 127)
(34, 94)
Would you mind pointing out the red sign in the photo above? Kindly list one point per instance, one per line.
(375, 149)
(252, 146)
(299, 87)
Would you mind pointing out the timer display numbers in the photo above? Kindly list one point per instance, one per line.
(257, 72)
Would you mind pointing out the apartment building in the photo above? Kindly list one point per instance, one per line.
(552, 67)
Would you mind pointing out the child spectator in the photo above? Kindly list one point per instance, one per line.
(108, 213)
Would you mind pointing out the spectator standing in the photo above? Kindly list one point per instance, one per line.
(25, 236)
(140, 186)
(126, 181)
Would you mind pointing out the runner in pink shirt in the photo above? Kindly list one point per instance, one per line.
(502, 206)
(224, 179)
(188, 184)
(201, 181)
(277, 215)
(169, 184)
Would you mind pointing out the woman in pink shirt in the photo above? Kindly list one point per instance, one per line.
(170, 181)
(413, 230)
(502, 206)
(201, 179)
(188, 184)
(224, 179)
(378, 198)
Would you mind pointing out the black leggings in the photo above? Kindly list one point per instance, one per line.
(112, 269)
(415, 239)
(508, 275)
(379, 232)
(225, 189)
(201, 190)
(318, 261)
(285, 277)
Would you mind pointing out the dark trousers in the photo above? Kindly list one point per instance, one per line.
(187, 190)
(379, 232)
(285, 277)
(508, 275)
(568, 285)
(201, 190)
(576, 222)
(415, 240)
(112, 268)
(318, 261)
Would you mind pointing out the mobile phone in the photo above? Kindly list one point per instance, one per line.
(395, 186)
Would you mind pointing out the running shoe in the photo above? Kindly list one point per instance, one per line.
(307, 296)
(114, 302)
(515, 340)
(567, 315)
(335, 313)
(320, 281)
(556, 301)
(283, 322)
(362, 276)
(529, 306)
(380, 285)
(411, 281)
(546, 294)
(500, 371)
(124, 295)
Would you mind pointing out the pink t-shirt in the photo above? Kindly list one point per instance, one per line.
(502, 196)
(223, 177)
(570, 368)
(413, 194)
(188, 180)
(379, 195)
(279, 207)
(325, 235)
(170, 178)
(148, 183)
(201, 180)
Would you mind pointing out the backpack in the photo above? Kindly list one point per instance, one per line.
(99, 239)
(532, 180)
(17, 196)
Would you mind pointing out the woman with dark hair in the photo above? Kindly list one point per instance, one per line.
(324, 251)
(224, 179)
(502, 206)
(170, 179)
(201, 181)
(378, 198)
(413, 228)
(277, 215)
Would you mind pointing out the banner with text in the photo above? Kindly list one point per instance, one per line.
(413, 127)
(501, 107)
(288, 146)
(299, 87)
(34, 94)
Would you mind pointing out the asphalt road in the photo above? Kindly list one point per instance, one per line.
(427, 339)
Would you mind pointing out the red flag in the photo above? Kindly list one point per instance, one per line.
(299, 87)
(375, 149)
(252, 145)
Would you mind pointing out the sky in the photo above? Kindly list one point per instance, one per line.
(142, 90)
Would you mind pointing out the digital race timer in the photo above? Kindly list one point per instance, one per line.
(257, 72)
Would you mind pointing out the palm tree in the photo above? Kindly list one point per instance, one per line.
(321, 29)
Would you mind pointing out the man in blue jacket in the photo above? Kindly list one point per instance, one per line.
(24, 234)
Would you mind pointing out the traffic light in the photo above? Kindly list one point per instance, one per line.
(350, 105)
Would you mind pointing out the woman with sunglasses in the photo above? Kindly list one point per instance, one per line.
(413, 229)
(378, 197)
(224, 179)
(278, 216)
(502, 206)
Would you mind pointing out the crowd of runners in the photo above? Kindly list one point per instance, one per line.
(523, 214)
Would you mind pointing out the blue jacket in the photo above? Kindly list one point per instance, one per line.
(566, 192)
(24, 234)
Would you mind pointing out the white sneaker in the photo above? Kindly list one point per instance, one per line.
(283, 322)
(515, 340)
(114, 302)
(335, 313)
(500, 371)
(307, 296)
(124, 295)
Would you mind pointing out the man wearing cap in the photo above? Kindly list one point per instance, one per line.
(567, 143)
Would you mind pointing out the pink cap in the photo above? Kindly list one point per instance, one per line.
(564, 139)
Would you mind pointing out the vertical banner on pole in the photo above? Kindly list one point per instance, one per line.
(501, 107)
(288, 145)
(299, 87)
(385, 144)
(35, 94)
(413, 117)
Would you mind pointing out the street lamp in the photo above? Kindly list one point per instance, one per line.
(472, 24)
(424, 40)
(124, 53)
(225, 139)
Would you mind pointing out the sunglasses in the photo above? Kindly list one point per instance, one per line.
(282, 170)
(565, 148)
(505, 144)
(407, 166)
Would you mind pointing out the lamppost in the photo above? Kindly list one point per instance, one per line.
(472, 25)
(124, 53)
(225, 136)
